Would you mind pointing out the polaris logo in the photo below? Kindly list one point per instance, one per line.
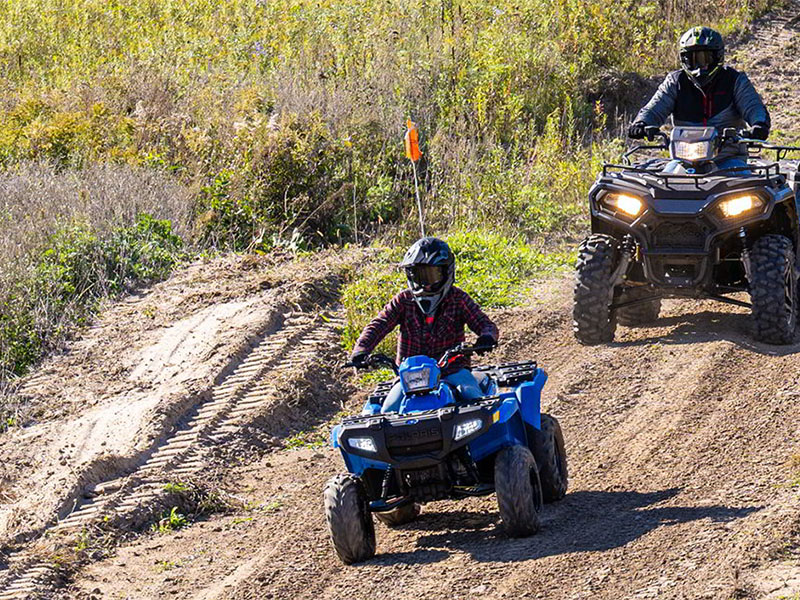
(412, 421)
(416, 435)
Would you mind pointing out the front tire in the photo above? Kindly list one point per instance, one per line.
(547, 446)
(773, 289)
(593, 320)
(399, 516)
(519, 492)
(349, 520)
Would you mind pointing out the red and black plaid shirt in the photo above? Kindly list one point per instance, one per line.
(422, 335)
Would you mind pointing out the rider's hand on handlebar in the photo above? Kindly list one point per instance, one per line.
(360, 360)
(485, 343)
(757, 131)
(636, 130)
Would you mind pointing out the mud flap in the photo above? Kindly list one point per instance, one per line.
(529, 396)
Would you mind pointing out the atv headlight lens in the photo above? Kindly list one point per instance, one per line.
(417, 380)
(733, 207)
(365, 444)
(630, 205)
(692, 151)
(467, 428)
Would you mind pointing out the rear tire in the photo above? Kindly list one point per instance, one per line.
(547, 446)
(519, 492)
(349, 520)
(638, 314)
(773, 289)
(593, 320)
(399, 516)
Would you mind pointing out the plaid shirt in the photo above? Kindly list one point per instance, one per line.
(418, 335)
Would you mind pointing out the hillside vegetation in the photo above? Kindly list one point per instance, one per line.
(250, 125)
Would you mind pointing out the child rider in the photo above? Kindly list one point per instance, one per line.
(431, 314)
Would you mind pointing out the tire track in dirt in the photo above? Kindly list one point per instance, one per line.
(239, 398)
(243, 395)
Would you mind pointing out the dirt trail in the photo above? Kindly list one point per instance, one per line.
(679, 437)
(771, 58)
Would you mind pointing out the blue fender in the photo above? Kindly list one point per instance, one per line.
(529, 396)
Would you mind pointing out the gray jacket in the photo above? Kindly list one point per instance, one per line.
(729, 101)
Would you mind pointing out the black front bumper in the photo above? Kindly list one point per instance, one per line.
(417, 441)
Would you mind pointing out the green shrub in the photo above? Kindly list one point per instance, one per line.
(80, 267)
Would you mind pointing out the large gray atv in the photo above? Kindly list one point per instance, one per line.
(685, 227)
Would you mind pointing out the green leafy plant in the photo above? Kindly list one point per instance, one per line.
(171, 520)
(177, 487)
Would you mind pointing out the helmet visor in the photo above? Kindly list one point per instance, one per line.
(700, 59)
(426, 277)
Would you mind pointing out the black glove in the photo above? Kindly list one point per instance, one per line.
(486, 343)
(360, 359)
(758, 131)
(636, 130)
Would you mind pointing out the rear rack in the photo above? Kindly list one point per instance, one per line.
(510, 374)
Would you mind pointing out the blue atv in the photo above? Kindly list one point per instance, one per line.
(438, 447)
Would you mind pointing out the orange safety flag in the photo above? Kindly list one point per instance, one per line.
(412, 142)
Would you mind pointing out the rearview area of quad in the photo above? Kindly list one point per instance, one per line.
(437, 446)
(686, 227)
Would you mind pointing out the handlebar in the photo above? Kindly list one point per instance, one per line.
(373, 361)
(450, 356)
(461, 350)
(729, 135)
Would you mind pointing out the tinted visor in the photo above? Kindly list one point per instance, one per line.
(700, 59)
(427, 277)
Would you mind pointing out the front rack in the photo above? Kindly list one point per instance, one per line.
(761, 172)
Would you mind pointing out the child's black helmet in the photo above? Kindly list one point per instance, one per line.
(430, 268)
(702, 53)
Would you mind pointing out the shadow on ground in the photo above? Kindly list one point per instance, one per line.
(707, 326)
(583, 521)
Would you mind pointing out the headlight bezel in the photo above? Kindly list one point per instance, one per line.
(467, 428)
(691, 151)
(740, 211)
(419, 379)
(623, 203)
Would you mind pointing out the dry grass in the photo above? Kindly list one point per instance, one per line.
(69, 238)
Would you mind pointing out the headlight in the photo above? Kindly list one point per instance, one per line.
(365, 444)
(467, 428)
(692, 150)
(417, 380)
(733, 207)
(630, 205)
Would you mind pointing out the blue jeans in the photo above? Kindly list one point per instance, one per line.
(463, 381)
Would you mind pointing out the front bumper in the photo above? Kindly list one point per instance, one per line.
(418, 440)
(679, 238)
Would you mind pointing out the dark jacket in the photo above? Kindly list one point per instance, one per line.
(730, 100)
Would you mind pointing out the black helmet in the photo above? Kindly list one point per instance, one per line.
(702, 54)
(430, 268)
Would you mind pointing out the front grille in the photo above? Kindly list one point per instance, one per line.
(679, 235)
(411, 436)
(416, 449)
